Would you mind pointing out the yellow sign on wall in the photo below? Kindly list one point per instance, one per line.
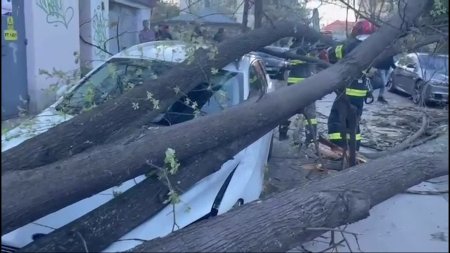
(10, 34)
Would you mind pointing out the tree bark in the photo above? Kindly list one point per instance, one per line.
(245, 16)
(96, 126)
(52, 187)
(281, 221)
(290, 55)
(95, 226)
(258, 13)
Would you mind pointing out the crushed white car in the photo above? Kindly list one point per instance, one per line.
(242, 177)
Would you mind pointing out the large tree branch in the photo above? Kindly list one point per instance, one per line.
(95, 225)
(95, 126)
(290, 55)
(96, 46)
(52, 187)
(282, 221)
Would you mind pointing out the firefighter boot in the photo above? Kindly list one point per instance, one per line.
(310, 134)
(282, 130)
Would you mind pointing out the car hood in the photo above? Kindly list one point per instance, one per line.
(40, 123)
(435, 77)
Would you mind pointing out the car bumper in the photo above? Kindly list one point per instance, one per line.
(436, 93)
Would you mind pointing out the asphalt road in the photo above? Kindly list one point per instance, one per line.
(390, 227)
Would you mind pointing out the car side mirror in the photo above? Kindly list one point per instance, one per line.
(411, 66)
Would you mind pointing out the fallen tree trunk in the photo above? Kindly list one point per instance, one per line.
(95, 226)
(290, 55)
(96, 126)
(57, 185)
(281, 222)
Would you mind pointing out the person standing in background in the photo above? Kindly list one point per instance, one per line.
(163, 33)
(220, 35)
(147, 34)
(384, 70)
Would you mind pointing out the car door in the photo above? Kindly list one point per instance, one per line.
(405, 73)
(411, 76)
(258, 82)
(246, 184)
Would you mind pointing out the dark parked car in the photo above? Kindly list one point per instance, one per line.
(423, 76)
(276, 67)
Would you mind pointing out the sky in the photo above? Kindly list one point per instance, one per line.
(6, 6)
(330, 12)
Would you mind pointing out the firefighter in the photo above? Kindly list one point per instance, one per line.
(358, 91)
(300, 70)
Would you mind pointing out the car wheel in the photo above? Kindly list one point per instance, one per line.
(390, 85)
(417, 93)
(238, 203)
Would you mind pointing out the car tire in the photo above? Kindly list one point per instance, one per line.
(417, 97)
(390, 85)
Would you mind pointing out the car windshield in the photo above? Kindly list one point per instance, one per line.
(434, 63)
(223, 90)
(111, 80)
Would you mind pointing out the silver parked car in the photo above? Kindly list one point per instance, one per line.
(423, 76)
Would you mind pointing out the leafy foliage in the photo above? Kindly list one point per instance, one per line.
(164, 10)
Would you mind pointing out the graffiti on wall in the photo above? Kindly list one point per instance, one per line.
(56, 12)
(100, 27)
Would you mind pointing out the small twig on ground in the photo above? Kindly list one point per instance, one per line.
(427, 192)
(405, 144)
(345, 239)
(133, 239)
(422, 141)
(334, 246)
(330, 229)
(84, 242)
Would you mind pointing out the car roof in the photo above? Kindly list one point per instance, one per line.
(165, 50)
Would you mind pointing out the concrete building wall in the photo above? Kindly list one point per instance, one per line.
(52, 32)
(53, 29)
(94, 28)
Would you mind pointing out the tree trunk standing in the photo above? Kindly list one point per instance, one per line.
(281, 221)
(316, 19)
(245, 16)
(258, 13)
(95, 226)
(52, 187)
(95, 126)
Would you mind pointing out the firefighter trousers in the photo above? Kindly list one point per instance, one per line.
(310, 123)
(335, 127)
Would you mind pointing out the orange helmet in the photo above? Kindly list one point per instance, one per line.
(362, 29)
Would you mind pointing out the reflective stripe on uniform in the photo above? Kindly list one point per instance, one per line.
(296, 62)
(339, 51)
(334, 136)
(295, 79)
(337, 136)
(355, 92)
(313, 121)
